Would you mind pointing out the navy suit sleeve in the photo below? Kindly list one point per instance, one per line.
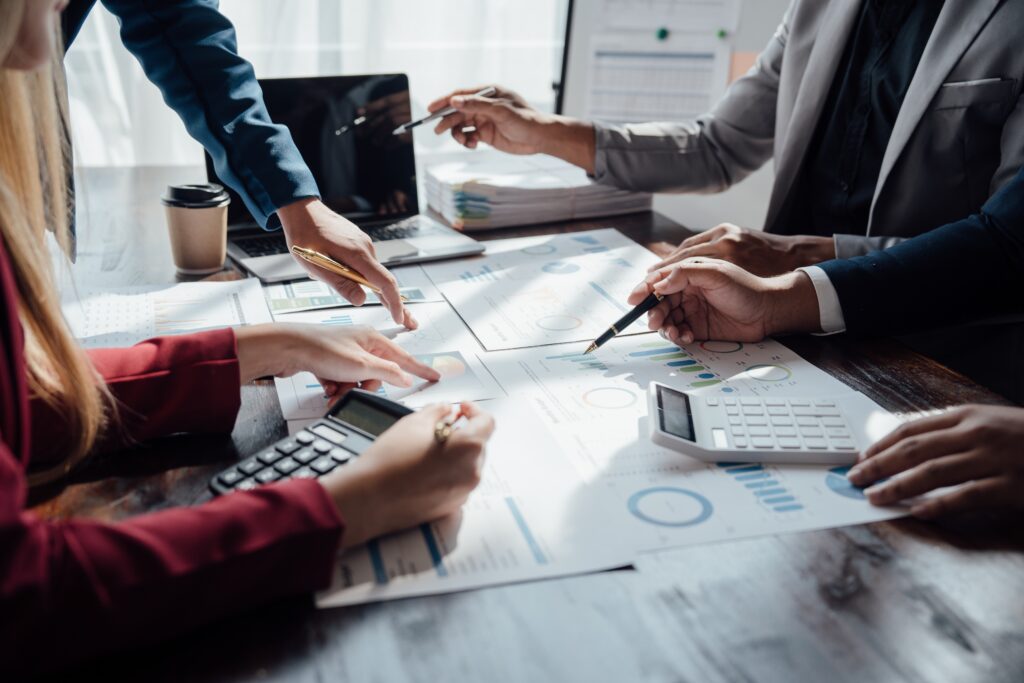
(190, 51)
(969, 270)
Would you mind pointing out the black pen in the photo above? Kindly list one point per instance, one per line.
(625, 321)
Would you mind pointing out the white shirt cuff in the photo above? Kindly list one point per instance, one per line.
(830, 311)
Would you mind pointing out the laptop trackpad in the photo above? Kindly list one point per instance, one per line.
(394, 249)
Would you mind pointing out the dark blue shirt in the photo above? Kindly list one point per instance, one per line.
(836, 184)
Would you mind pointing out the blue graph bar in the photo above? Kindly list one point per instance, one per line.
(608, 297)
(595, 250)
(752, 477)
(435, 552)
(769, 492)
(379, 572)
(656, 352)
(531, 542)
(706, 375)
(586, 239)
(780, 499)
(788, 508)
(338, 320)
(761, 484)
(681, 363)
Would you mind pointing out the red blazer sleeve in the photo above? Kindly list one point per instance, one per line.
(165, 385)
(78, 588)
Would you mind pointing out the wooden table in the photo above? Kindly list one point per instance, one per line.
(898, 600)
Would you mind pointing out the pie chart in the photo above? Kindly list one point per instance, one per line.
(669, 506)
(837, 482)
(447, 365)
(558, 323)
(560, 268)
(609, 398)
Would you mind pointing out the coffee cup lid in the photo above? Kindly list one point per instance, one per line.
(196, 196)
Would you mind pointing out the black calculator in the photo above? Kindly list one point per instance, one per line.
(348, 429)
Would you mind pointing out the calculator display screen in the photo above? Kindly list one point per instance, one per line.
(674, 412)
(365, 416)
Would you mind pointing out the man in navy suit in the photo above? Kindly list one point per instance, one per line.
(969, 270)
(190, 51)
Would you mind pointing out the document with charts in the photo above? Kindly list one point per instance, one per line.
(442, 341)
(308, 295)
(545, 290)
(516, 526)
(124, 316)
(595, 406)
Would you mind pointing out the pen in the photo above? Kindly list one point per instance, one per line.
(440, 113)
(625, 321)
(327, 263)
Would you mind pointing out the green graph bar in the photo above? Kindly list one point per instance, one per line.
(706, 383)
(692, 368)
(669, 356)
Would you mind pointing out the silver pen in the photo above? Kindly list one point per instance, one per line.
(440, 113)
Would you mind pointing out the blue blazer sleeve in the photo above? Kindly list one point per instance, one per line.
(968, 270)
(190, 51)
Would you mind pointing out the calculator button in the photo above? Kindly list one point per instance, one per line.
(837, 432)
(807, 422)
(735, 420)
(753, 410)
(815, 432)
(305, 456)
(729, 401)
(799, 402)
(732, 410)
(760, 431)
(323, 465)
(247, 485)
(269, 457)
(828, 412)
(305, 438)
(789, 443)
(772, 410)
(842, 444)
(288, 447)
(251, 466)
(712, 401)
(774, 402)
(761, 442)
(782, 421)
(817, 444)
(801, 411)
(286, 466)
(738, 431)
(332, 435)
(304, 473)
(266, 476)
(340, 455)
(833, 422)
(785, 431)
(750, 401)
(740, 442)
(825, 404)
(322, 446)
(231, 477)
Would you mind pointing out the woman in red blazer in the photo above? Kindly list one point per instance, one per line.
(77, 588)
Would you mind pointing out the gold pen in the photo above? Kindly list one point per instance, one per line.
(327, 263)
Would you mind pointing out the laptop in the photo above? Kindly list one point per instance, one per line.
(342, 126)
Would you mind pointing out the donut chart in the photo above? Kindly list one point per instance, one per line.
(768, 373)
(558, 323)
(560, 268)
(721, 346)
(609, 398)
(669, 506)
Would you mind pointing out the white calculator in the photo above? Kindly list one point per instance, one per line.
(830, 430)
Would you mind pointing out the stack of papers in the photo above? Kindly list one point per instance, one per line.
(494, 191)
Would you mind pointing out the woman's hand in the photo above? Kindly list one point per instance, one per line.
(977, 446)
(758, 252)
(406, 477)
(340, 357)
(508, 123)
(713, 299)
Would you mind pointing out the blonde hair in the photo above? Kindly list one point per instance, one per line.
(34, 162)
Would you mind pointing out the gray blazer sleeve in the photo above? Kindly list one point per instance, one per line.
(706, 155)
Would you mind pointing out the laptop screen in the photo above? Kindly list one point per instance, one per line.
(343, 128)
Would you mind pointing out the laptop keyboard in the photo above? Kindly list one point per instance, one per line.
(274, 243)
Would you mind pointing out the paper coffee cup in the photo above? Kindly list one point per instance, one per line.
(197, 219)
